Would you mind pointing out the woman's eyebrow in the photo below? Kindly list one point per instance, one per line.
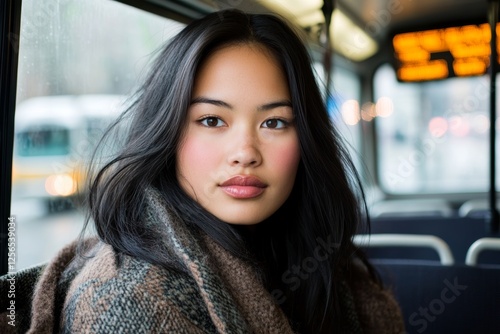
(218, 103)
(277, 104)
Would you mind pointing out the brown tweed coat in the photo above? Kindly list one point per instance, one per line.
(106, 292)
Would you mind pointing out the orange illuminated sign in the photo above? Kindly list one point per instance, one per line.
(442, 53)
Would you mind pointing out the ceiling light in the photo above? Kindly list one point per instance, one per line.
(348, 39)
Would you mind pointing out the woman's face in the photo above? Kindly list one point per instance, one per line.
(240, 151)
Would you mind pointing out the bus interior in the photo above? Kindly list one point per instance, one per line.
(411, 86)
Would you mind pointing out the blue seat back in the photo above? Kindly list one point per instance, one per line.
(445, 299)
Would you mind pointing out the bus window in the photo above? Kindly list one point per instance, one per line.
(345, 109)
(77, 61)
(343, 106)
(436, 138)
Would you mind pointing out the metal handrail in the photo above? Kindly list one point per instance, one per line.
(407, 240)
(478, 246)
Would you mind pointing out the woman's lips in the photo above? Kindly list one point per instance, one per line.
(243, 186)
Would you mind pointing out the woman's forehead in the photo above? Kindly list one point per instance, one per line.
(240, 72)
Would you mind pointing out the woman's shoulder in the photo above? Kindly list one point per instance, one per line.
(112, 290)
(104, 291)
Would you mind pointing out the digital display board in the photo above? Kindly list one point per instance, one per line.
(442, 53)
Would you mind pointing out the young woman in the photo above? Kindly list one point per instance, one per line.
(231, 206)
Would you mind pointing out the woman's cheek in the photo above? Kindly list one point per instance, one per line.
(198, 148)
(286, 158)
(195, 159)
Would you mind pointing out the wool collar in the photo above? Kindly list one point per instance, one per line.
(230, 287)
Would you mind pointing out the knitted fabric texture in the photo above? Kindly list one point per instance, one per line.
(107, 292)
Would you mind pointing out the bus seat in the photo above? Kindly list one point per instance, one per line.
(458, 232)
(444, 299)
(411, 208)
(478, 247)
(407, 240)
(477, 208)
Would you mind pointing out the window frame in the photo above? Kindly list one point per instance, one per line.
(10, 22)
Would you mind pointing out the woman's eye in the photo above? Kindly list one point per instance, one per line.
(211, 122)
(274, 123)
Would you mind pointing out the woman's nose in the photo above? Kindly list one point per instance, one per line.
(245, 153)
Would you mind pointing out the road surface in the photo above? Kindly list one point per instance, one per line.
(41, 235)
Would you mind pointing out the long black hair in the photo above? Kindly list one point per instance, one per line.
(305, 248)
